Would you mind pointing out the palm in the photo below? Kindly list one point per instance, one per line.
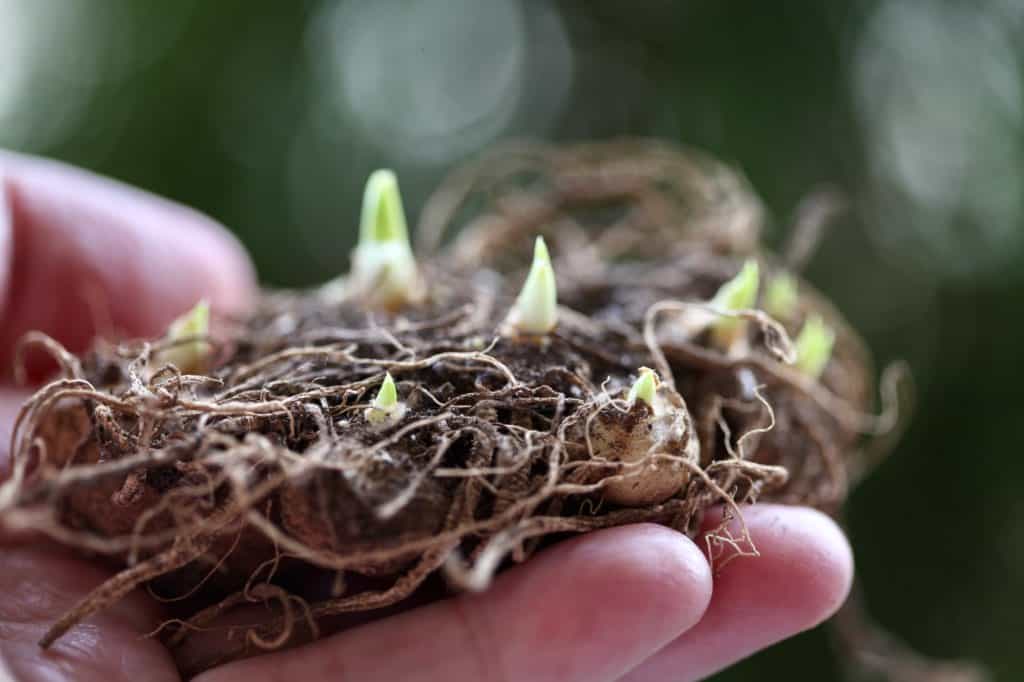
(39, 584)
(634, 603)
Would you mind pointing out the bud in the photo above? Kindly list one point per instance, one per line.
(385, 408)
(739, 293)
(536, 309)
(814, 347)
(781, 297)
(187, 349)
(654, 443)
(383, 266)
(645, 387)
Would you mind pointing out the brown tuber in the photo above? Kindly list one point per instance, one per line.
(655, 436)
(316, 486)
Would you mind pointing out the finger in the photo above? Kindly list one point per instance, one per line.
(11, 400)
(78, 250)
(587, 609)
(38, 584)
(801, 578)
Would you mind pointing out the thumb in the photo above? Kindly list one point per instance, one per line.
(81, 254)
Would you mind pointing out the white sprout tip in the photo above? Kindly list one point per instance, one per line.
(540, 250)
(814, 346)
(536, 309)
(644, 387)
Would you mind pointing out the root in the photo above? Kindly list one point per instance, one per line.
(183, 551)
(70, 367)
(813, 216)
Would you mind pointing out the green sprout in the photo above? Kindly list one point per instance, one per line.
(645, 387)
(781, 297)
(536, 309)
(385, 407)
(383, 265)
(188, 350)
(739, 293)
(814, 346)
(383, 218)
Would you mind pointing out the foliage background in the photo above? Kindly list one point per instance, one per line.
(268, 116)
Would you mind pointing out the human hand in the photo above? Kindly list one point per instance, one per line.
(635, 603)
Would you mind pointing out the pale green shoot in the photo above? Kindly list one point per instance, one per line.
(781, 297)
(536, 309)
(189, 350)
(739, 293)
(814, 346)
(383, 266)
(385, 407)
(644, 387)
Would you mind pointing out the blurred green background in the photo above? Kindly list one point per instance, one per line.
(268, 116)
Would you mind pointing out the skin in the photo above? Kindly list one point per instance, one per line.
(81, 255)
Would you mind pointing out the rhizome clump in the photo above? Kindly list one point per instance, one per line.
(263, 479)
